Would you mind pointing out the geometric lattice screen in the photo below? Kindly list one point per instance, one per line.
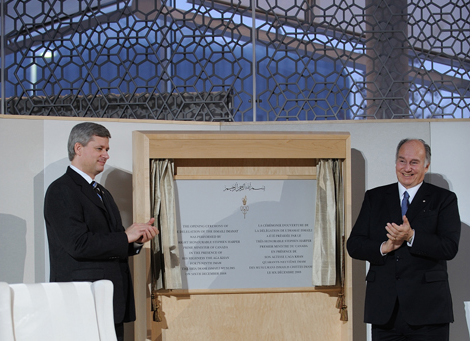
(228, 60)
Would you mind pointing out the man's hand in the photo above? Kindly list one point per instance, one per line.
(396, 235)
(399, 233)
(141, 233)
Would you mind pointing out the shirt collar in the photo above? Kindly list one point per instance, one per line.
(411, 191)
(84, 175)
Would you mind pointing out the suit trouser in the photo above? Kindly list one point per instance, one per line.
(120, 331)
(398, 330)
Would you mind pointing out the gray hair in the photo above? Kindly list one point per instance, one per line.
(83, 133)
(427, 149)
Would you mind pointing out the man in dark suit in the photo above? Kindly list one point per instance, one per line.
(407, 293)
(87, 241)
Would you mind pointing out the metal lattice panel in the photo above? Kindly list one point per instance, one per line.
(227, 60)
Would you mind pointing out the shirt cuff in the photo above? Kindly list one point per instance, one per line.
(412, 239)
(137, 247)
(383, 254)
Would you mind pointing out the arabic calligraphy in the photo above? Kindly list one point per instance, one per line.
(236, 187)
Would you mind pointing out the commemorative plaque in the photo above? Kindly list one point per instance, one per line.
(245, 233)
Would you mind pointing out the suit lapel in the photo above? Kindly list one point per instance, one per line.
(393, 203)
(107, 200)
(93, 196)
(420, 200)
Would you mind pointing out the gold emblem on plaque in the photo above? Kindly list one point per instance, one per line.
(244, 207)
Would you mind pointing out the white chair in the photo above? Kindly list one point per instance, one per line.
(72, 311)
(467, 314)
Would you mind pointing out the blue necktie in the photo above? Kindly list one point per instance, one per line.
(97, 189)
(405, 203)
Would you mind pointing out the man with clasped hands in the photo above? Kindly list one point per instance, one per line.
(407, 293)
(87, 241)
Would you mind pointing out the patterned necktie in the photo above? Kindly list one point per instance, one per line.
(405, 203)
(97, 189)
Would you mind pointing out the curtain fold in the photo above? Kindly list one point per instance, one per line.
(340, 234)
(165, 264)
(329, 224)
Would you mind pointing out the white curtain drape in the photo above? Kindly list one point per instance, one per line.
(164, 247)
(329, 224)
(340, 233)
(329, 235)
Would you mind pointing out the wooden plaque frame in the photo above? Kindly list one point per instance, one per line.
(238, 155)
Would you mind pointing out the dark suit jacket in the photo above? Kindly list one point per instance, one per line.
(416, 276)
(87, 241)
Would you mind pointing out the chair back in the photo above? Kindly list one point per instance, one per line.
(73, 311)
